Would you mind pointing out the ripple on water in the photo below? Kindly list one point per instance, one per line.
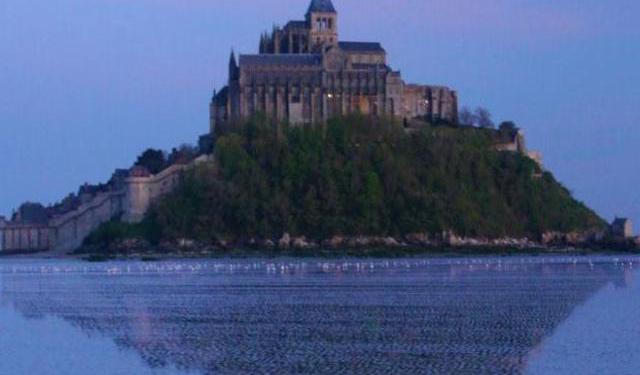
(412, 316)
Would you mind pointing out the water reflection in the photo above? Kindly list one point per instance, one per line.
(51, 346)
(418, 316)
(601, 337)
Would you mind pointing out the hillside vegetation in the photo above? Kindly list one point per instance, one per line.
(361, 176)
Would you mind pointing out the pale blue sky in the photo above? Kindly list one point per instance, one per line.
(88, 84)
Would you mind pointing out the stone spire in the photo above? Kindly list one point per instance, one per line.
(232, 59)
(233, 66)
(321, 6)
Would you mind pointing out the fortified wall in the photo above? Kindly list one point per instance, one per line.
(66, 231)
(143, 189)
(34, 237)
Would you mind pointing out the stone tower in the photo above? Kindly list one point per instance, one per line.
(322, 19)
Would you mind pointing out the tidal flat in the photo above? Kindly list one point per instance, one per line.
(459, 315)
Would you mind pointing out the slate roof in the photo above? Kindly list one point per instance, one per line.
(361, 47)
(324, 6)
(284, 59)
(296, 25)
(222, 95)
(620, 221)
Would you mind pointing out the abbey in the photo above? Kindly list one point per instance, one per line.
(304, 74)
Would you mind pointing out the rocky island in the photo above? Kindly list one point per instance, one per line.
(362, 183)
(317, 143)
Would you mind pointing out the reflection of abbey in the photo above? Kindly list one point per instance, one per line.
(305, 74)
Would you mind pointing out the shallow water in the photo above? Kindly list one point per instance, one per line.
(412, 316)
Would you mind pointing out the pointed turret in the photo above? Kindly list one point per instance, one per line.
(233, 67)
(232, 59)
(264, 43)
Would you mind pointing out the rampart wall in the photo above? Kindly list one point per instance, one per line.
(15, 238)
(143, 191)
(66, 232)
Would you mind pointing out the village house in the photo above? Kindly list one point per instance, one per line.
(622, 228)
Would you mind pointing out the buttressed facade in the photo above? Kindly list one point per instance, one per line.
(304, 74)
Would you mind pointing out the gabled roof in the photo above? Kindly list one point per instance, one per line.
(280, 59)
(321, 6)
(296, 25)
(361, 47)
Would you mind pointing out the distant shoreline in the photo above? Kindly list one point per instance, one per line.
(367, 253)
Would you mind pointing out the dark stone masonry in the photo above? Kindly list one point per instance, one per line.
(304, 74)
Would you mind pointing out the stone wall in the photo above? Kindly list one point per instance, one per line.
(304, 89)
(143, 191)
(24, 237)
(309, 89)
(68, 231)
(433, 103)
(537, 157)
(512, 142)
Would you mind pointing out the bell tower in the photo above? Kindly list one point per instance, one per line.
(322, 20)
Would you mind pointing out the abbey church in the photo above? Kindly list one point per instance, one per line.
(305, 74)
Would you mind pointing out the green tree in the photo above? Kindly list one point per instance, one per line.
(363, 175)
(154, 160)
